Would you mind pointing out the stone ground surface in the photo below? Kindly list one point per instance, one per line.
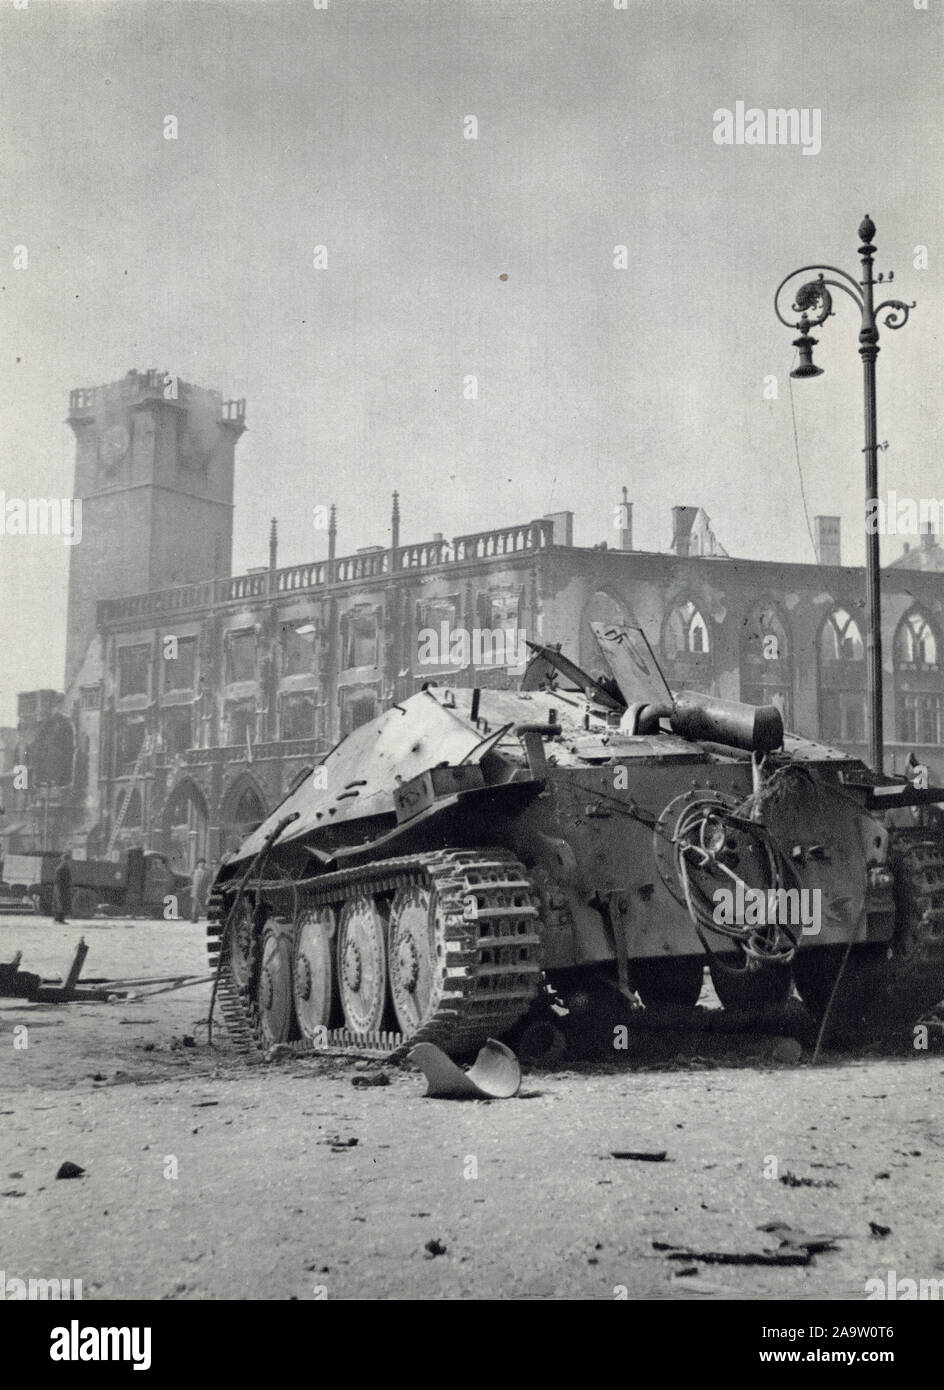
(210, 1178)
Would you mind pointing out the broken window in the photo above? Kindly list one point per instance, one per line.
(129, 741)
(178, 731)
(240, 721)
(359, 629)
(920, 699)
(240, 656)
(766, 664)
(133, 670)
(180, 670)
(297, 718)
(841, 679)
(685, 633)
(298, 649)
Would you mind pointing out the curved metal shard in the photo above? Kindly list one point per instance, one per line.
(495, 1075)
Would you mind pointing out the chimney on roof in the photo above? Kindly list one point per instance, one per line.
(624, 522)
(563, 524)
(273, 543)
(928, 538)
(332, 531)
(682, 518)
(826, 536)
(395, 522)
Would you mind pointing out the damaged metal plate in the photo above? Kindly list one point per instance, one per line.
(495, 1075)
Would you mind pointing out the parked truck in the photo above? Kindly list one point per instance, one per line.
(140, 884)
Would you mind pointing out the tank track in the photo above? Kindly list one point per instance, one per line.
(493, 967)
(917, 966)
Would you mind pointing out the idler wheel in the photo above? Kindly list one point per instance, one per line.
(274, 985)
(362, 964)
(417, 957)
(313, 974)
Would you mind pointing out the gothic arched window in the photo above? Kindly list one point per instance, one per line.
(766, 661)
(919, 697)
(841, 679)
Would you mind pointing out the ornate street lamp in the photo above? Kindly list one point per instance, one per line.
(813, 298)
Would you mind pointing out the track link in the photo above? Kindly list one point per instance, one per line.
(916, 969)
(487, 911)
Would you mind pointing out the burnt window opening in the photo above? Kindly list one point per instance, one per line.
(841, 679)
(297, 716)
(180, 670)
(129, 741)
(766, 661)
(178, 731)
(360, 637)
(134, 670)
(240, 656)
(240, 721)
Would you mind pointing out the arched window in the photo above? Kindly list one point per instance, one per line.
(919, 697)
(916, 643)
(841, 679)
(766, 661)
(686, 633)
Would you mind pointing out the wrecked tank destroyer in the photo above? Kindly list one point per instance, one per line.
(470, 854)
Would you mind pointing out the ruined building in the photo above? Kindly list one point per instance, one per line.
(194, 698)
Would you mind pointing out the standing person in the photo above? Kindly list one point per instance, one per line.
(199, 888)
(62, 889)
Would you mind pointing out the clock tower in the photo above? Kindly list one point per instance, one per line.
(154, 471)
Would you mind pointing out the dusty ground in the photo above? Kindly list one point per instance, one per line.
(208, 1178)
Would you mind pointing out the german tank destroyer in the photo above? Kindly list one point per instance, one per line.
(470, 852)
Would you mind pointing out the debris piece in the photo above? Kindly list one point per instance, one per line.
(800, 1240)
(16, 983)
(658, 1156)
(882, 1175)
(12, 1192)
(494, 1076)
(796, 1248)
(791, 1180)
(281, 1052)
(757, 1257)
(434, 1248)
(879, 1231)
(70, 1170)
(687, 1272)
(377, 1079)
(339, 1145)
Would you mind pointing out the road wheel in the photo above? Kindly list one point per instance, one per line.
(274, 984)
(362, 964)
(313, 975)
(417, 956)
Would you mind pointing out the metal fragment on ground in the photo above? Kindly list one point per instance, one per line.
(496, 1074)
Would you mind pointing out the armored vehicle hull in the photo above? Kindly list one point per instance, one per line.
(471, 853)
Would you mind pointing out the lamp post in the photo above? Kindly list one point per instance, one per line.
(813, 298)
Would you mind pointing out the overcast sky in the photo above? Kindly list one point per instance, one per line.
(344, 127)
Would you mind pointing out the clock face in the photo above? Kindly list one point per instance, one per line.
(114, 446)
